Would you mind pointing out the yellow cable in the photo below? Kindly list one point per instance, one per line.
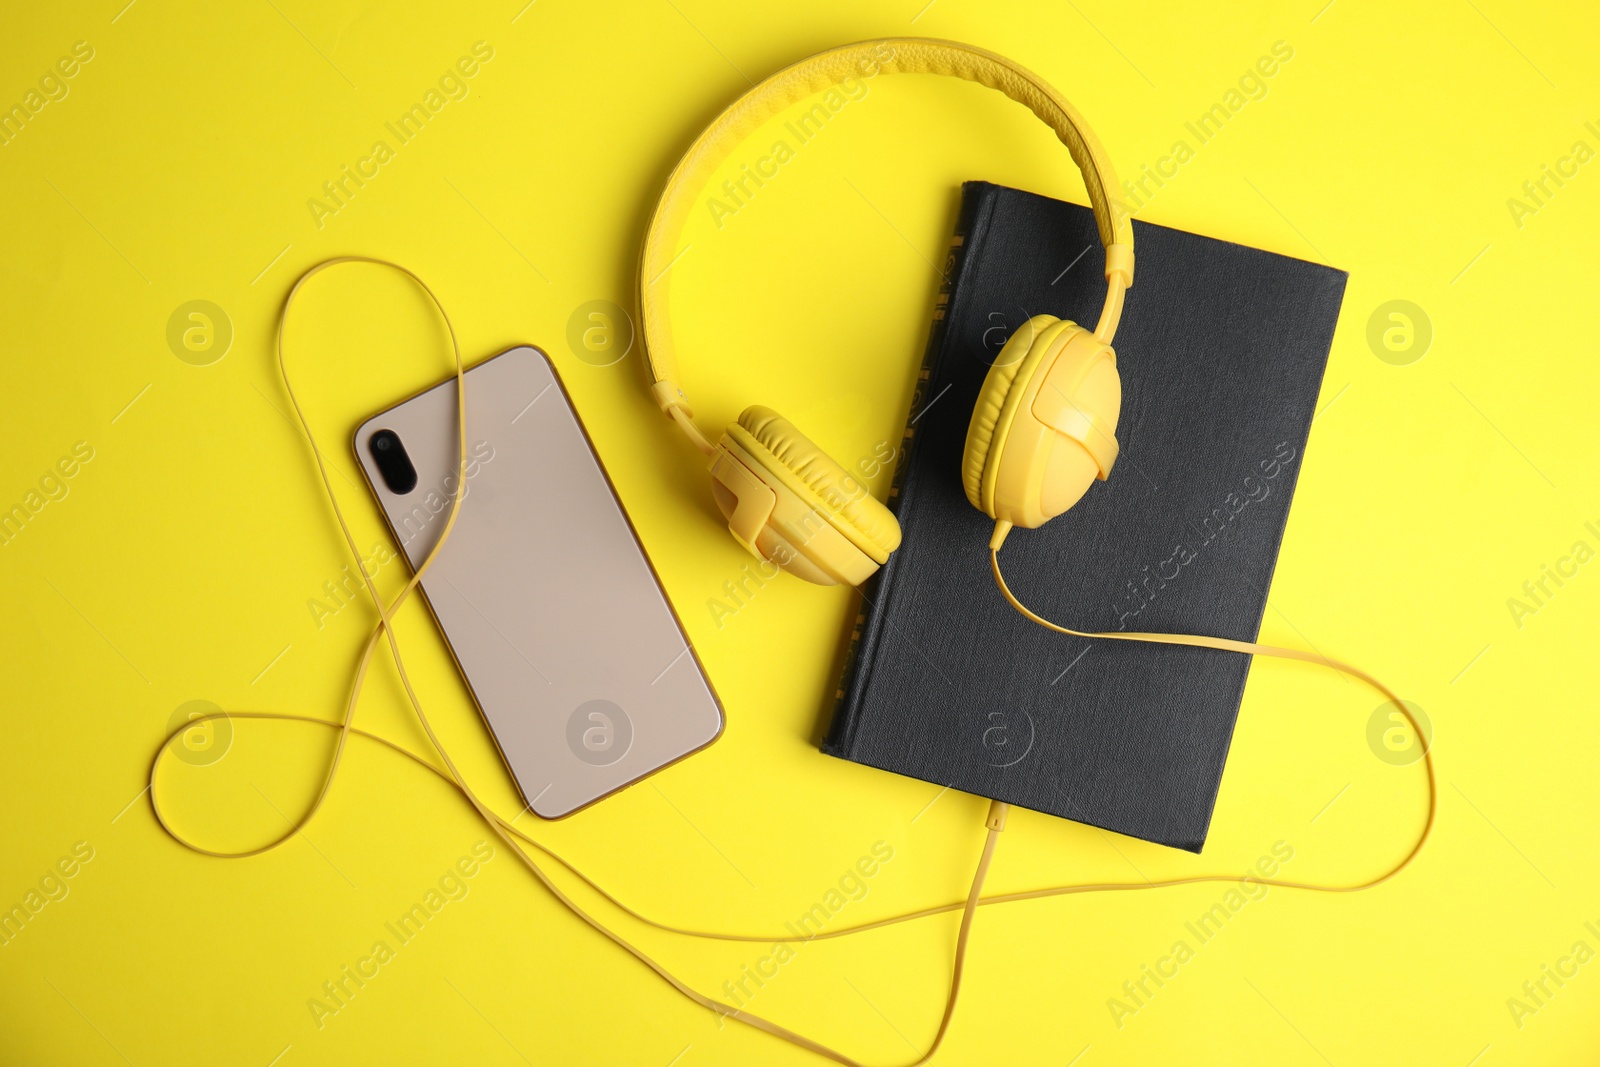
(447, 770)
(1251, 648)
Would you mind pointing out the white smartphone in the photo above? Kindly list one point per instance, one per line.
(545, 596)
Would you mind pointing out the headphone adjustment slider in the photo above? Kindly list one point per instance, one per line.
(668, 395)
(1119, 261)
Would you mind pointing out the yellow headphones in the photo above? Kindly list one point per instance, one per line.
(1044, 427)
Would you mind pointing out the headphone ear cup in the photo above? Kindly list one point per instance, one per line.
(1044, 426)
(994, 410)
(792, 505)
(985, 423)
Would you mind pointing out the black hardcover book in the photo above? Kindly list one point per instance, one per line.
(1221, 351)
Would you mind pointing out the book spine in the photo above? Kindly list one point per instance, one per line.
(977, 200)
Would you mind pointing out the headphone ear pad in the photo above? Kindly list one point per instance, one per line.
(987, 432)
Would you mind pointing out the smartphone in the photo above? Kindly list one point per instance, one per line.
(548, 602)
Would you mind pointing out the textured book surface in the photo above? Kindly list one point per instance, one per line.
(1221, 351)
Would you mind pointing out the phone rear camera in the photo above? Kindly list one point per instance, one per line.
(393, 463)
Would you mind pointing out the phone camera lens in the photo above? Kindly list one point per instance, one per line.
(393, 464)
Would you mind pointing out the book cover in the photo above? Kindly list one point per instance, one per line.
(1221, 351)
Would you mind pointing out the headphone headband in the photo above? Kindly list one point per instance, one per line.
(890, 55)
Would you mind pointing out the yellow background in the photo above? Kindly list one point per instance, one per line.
(180, 563)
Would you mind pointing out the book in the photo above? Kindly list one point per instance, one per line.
(1221, 350)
